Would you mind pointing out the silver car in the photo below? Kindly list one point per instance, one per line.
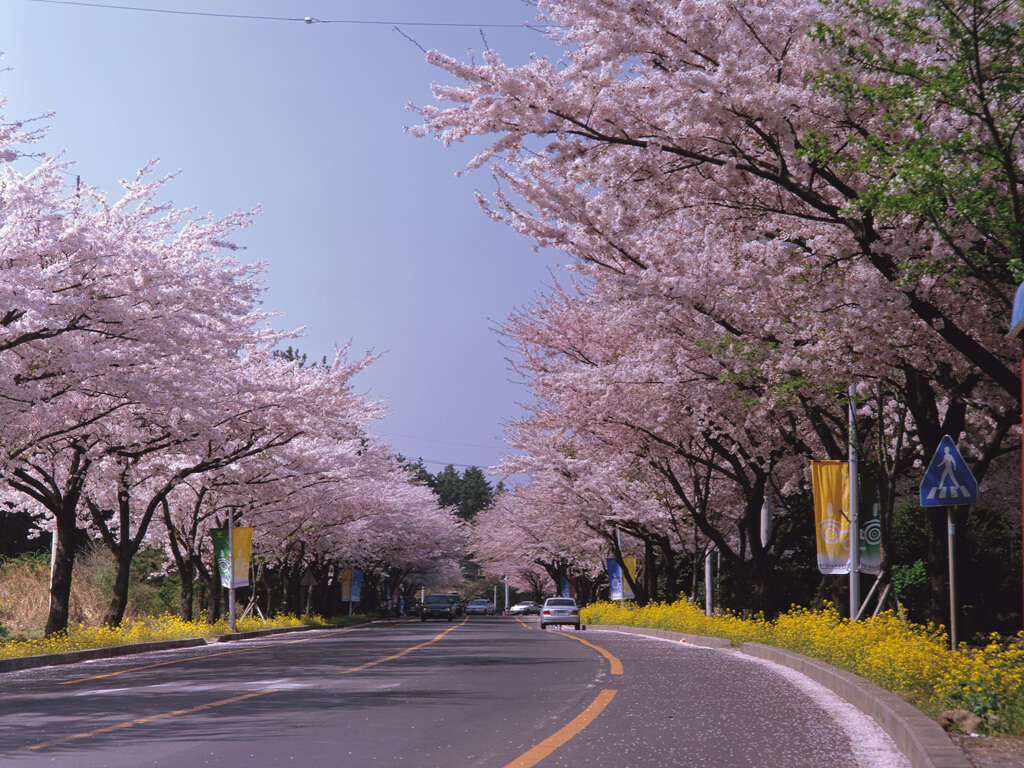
(560, 610)
(481, 607)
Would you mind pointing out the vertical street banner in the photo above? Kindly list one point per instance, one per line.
(870, 542)
(564, 589)
(630, 562)
(830, 483)
(346, 585)
(233, 574)
(355, 584)
(614, 579)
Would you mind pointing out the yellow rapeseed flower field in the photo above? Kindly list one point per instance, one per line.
(145, 630)
(909, 659)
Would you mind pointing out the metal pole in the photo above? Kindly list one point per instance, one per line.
(950, 545)
(854, 522)
(505, 607)
(231, 570)
(766, 520)
(53, 564)
(707, 583)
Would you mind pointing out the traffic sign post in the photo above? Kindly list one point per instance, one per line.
(949, 482)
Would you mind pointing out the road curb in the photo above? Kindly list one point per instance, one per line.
(113, 651)
(110, 652)
(916, 735)
(232, 636)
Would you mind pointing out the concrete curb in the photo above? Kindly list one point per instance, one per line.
(113, 651)
(916, 735)
(110, 652)
(231, 637)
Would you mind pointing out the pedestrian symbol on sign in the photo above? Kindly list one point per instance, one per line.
(948, 480)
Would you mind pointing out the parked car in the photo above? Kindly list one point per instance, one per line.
(525, 608)
(480, 607)
(560, 610)
(440, 605)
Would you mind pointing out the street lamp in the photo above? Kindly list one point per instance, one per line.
(1016, 327)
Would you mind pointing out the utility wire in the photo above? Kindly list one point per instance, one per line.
(301, 19)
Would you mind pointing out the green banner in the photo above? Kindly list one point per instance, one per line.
(242, 552)
(870, 552)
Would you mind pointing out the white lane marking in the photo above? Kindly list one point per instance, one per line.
(678, 643)
(279, 684)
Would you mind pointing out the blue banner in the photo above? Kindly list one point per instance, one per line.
(614, 579)
(357, 584)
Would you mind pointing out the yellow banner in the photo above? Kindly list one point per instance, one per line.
(630, 561)
(830, 482)
(242, 551)
(241, 547)
(346, 585)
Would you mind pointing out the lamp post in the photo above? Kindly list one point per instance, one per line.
(854, 517)
(1016, 327)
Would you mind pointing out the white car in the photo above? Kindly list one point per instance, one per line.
(480, 607)
(560, 610)
(524, 608)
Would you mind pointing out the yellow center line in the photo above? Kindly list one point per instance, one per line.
(400, 654)
(560, 737)
(613, 661)
(221, 702)
(198, 658)
(149, 719)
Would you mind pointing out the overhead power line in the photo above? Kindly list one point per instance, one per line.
(298, 19)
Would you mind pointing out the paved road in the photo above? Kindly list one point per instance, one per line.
(489, 691)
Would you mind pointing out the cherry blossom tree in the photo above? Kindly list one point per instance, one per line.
(97, 300)
(719, 174)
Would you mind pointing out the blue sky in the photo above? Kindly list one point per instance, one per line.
(366, 233)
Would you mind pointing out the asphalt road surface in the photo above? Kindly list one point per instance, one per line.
(488, 691)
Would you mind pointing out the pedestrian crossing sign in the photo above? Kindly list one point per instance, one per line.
(948, 480)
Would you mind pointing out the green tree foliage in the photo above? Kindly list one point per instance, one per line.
(19, 533)
(947, 146)
(468, 491)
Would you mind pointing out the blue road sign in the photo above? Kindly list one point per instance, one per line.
(1017, 318)
(948, 480)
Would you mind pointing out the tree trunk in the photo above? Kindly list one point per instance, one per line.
(650, 571)
(938, 604)
(66, 533)
(119, 595)
(213, 604)
(671, 571)
(185, 561)
(186, 597)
